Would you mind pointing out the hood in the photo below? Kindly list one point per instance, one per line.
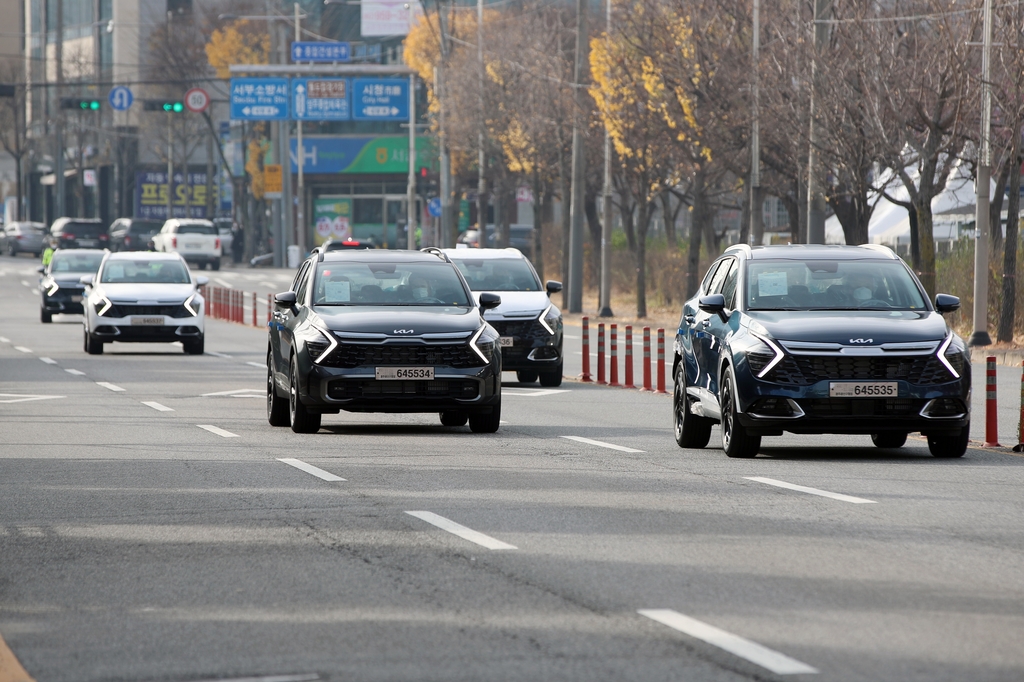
(134, 293)
(516, 304)
(834, 326)
(388, 320)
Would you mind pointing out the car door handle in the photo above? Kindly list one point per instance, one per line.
(706, 322)
(689, 319)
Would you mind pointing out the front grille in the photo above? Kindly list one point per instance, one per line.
(350, 355)
(368, 388)
(176, 310)
(804, 370)
(525, 332)
(861, 407)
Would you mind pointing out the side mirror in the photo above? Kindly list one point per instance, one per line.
(553, 287)
(202, 280)
(945, 303)
(489, 301)
(712, 303)
(86, 280)
(285, 299)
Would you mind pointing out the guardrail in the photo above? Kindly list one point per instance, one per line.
(235, 305)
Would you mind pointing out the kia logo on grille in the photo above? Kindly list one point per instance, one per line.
(861, 340)
(404, 331)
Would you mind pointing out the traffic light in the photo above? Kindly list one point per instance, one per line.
(421, 180)
(169, 106)
(79, 103)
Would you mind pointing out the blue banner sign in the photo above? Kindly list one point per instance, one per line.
(259, 99)
(320, 52)
(320, 99)
(380, 99)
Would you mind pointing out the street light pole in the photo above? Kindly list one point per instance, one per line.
(410, 190)
(578, 159)
(481, 181)
(756, 222)
(980, 336)
(300, 223)
(606, 225)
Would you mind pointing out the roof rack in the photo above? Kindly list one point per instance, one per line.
(437, 252)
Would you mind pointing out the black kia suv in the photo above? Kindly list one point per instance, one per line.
(382, 331)
(819, 339)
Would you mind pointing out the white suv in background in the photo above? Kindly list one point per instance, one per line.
(196, 240)
(139, 296)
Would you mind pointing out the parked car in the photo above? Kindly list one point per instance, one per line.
(196, 240)
(224, 226)
(819, 339)
(78, 233)
(519, 237)
(60, 287)
(133, 234)
(23, 237)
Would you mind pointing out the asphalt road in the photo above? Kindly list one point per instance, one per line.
(150, 531)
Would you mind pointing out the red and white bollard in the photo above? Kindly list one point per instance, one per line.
(255, 322)
(647, 360)
(600, 353)
(629, 357)
(991, 416)
(585, 377)
(1019, 447)
(661, 361)
(270, 307)
(614, 360)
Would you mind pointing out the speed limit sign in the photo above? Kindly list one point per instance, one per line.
(197, 100)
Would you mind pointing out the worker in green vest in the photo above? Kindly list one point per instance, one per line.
(47, 254)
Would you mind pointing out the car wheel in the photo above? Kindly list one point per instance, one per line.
(215, 265)
(691, 431)
(526, 377)
(12, 250)
(946, 446)
(454, 418)
(553, 378)
(92, 345)
(735, 440)
(45, 316)
(486, 423)
(301, 419)
(277, 407)
(888, 440)
(194, 346)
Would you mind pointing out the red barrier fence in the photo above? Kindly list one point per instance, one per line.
(600, 353)
(991, 416)
(614, 360)
(647, 360)
(661, 361)
(629, 357)
(585, 377)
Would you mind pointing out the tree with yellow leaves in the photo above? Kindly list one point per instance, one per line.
(239, 42)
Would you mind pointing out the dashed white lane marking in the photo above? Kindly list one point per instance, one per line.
(261, 365)
(218, 431)
(236, 393)
(219, 355)
(4, 339)
(24, 283)
(109, 386)
(267, 284)
(310, 469)
(268, 678)
(534, 392)
(8, 398)
(570, 336)
(758, 654)
(31, 531)
(810, 491)
(601, 444)
(49, 361)
(460, 530)
(76, 372)
(223, 282)
(157, 406)
(23, 349)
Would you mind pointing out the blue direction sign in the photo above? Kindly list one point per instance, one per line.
(259, 99)
(320, 99)
(320, 52)
(434, 207)
(120, 98)
(380, 99)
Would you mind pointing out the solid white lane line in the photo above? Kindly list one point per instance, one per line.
(76, 372)
(810, 491)
(310, 469)
(157, 406)
(772, 660)
(601, 444)
(4, 339)
(233, 392)
(460, 530)
(268, 678)
(220, 432)
(219, 355)
(49, 361)
(261, 365)
(110, 386)
(23, 349)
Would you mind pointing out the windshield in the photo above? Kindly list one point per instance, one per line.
(354, 283)
(145, 226)
(144, 272)
(63, 262)
(831, 285)
(498, 274)
(83, 229)
(196, 229)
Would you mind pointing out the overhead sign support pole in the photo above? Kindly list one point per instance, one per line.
(410, 190)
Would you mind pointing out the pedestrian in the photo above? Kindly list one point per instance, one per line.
(237, 243)
(47, 254)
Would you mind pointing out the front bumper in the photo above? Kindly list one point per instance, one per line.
(64, 300)
(533, 347)
(123, 330)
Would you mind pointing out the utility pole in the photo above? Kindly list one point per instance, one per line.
(58, 156)
(410, 189)
(606, 224)
(756, 219)
(980, 336)
(170, 163)
(300, 222)
(285, 140)
(576, 207)
(815, 191)
(449, 227)
(481, 181)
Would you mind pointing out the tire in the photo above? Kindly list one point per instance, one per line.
(950, 446)
(888, 440)
(194, 346)
(277, 407)
(12, 250)
(215, 265)
(300, 419)
(526, 376)
(454, 418)
(93, 346)
(690, 430)
(486, 423)
(553, 378)
(735, 440)
(45, 316)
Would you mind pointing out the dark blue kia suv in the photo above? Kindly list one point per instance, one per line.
(819, 339)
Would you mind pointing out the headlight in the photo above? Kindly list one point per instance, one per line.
(484, 348)
(945, 360)
(549, 318)
(102, 306)
(192, 305)
(321, 345)
(771, 352)
(53, 287)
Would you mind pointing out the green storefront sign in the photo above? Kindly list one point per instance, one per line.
(332, 219)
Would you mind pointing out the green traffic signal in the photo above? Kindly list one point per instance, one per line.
(87, 104)
(176, 107)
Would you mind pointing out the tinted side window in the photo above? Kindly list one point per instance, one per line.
(729, 287)
(705, 286)
(716, 283)
(303, 280)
